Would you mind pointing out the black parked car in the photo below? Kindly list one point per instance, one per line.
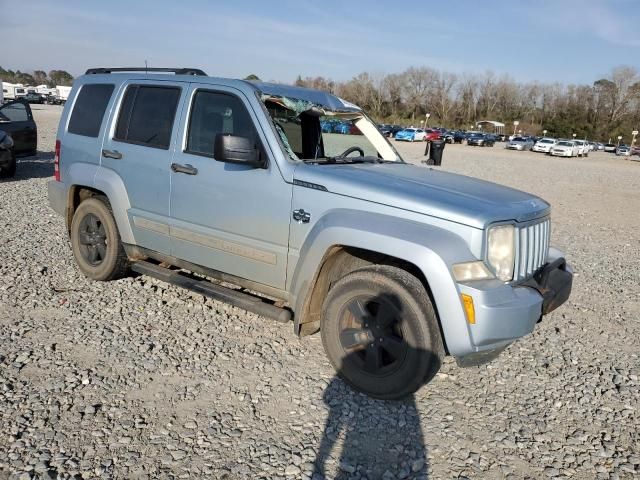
(52, 100)
(34, 98)
(454, 136)
(16, 120)
(393, 129)
(481, 140)
(7, 156)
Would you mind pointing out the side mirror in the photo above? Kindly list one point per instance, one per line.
(235, 149)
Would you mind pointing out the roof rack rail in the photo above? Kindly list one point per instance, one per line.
(177, 71)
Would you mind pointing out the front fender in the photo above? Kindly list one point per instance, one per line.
(431, 249)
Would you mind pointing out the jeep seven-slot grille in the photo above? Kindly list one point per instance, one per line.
(533, 246)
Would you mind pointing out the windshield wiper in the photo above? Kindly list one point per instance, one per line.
(344, 160)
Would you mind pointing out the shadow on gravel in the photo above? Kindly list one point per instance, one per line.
(39, 165)
(377, 439)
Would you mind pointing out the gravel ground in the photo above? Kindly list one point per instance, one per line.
(139, 379)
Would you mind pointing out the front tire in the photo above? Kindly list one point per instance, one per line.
(95, 241)
(380, 332)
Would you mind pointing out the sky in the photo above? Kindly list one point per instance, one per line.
(566, 41)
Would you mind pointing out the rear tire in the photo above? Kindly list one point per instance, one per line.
(380, 332)
(10, 171)
(95, 241)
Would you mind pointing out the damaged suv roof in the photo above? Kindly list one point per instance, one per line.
(316, 97)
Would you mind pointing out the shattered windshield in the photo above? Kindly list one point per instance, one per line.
(312, 133)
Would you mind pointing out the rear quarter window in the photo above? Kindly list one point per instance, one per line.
(89, 108)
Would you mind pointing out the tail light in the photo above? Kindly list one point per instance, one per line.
(56, 162)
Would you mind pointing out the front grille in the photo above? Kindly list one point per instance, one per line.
(533, 246)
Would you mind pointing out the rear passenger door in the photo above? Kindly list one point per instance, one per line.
(138, 147)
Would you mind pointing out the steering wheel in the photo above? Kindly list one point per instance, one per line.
(351, 150)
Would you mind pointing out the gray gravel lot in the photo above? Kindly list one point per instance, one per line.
(139, 379)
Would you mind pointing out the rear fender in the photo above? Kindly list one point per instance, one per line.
(108, 182)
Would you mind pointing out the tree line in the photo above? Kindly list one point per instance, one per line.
(37, 77)
(608, 107)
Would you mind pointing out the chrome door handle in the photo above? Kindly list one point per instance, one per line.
(188, 169)
(301, 216)
(116, 155)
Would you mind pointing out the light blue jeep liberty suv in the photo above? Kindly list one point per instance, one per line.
(233, 189)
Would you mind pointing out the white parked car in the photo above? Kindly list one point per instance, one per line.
(583, 148)
(564, 148)
(544, 145)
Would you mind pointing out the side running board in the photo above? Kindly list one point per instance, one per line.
(242, 300)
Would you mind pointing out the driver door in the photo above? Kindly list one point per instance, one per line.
(228, 217)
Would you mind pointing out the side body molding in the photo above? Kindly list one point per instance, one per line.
(431, 249)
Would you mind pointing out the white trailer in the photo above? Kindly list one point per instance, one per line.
(13, 91)
(63, 92)
(44, 90)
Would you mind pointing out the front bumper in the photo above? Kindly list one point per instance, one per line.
(504, 312)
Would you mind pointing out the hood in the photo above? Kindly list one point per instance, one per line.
(449, 196)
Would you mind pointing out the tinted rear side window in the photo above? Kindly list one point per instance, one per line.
(147, 115)
(89, 109)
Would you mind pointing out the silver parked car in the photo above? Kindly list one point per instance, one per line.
(623, 150)
(519, 143)
(396, 265)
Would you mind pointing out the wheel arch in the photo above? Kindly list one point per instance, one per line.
(87, 180)
(354, 241)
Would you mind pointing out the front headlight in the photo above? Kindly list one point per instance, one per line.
(501, 251)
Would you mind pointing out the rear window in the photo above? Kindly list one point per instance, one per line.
(89, 109)
(147, 114)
